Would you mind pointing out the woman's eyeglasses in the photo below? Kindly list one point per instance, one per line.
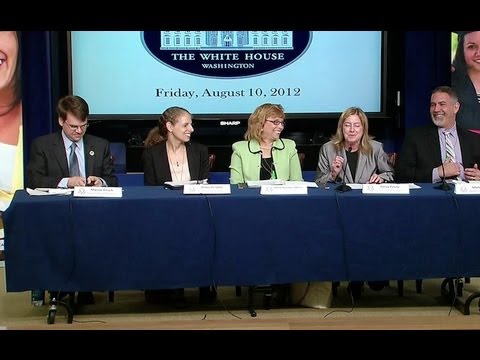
(277, 122)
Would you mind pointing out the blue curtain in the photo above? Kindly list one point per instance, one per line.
(38, 111)
(427, 65)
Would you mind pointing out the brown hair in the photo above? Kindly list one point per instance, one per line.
(170, 115)
(17, 85)
(73, 104)
(153, 137)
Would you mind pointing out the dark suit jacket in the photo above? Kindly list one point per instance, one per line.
(48, 161)
(421, 153)
(157, 170)
(468, 117)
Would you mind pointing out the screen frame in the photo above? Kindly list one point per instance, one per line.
(298, 120)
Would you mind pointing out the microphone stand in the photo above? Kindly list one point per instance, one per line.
(443, 185)
(344, 187)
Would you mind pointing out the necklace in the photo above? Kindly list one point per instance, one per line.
(266, 149)
(268, 165)
(177, 173)
(174, 159)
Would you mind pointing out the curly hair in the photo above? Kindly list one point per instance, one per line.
(153, 137)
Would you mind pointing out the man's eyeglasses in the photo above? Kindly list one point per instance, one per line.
(76, 127)
(277, 122)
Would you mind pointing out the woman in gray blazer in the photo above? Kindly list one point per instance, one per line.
(353, 154)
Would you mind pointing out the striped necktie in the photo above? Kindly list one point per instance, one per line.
(449, 150)
(73, 160)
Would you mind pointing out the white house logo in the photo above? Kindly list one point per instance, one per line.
(226, 54)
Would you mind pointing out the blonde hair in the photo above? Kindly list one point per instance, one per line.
(338, 139)
(258, 117)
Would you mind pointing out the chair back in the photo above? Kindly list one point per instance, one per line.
(211, 161)
(118, 151)
(301, 157)
(392, 158)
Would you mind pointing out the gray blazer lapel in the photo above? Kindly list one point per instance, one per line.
(348, 173)
(361, 167)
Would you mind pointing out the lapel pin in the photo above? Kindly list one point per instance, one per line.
(92, 152)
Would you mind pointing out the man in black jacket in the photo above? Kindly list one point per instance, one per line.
(424, 157)
(70, 158)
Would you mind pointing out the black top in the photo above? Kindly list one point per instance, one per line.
(352, 158)
(468, 116)
(157, 170)
(267, 169)
(48, 160)
(420, 153)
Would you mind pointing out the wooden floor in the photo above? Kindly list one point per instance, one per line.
(376, 310)
(369, 323)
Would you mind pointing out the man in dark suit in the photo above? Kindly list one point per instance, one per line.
(70, 157)
(426, 148)
(49, 163)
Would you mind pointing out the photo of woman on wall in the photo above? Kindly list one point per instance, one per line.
(466, 78)
(11, 148)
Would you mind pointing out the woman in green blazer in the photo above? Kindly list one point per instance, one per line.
(263, 155)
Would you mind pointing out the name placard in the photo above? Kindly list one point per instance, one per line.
(467, 188)
(94, 191)
(283, 190)
(386, 189)
(207, 189)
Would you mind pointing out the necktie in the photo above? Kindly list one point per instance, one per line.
(73, 160)
(449, 150)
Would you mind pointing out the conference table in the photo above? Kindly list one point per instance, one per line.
(153, 237)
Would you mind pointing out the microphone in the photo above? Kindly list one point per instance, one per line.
(199, 175)
(444, 185)
(344, 187)
(199, 165)
(199, 172)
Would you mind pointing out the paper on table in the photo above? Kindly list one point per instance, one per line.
(356, 186)
(49, 191)
(360, 186)
(189, 182)
(259, 183)
(309, 184)
(465, 181)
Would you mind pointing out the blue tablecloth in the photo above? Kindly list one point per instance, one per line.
(157, 238)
